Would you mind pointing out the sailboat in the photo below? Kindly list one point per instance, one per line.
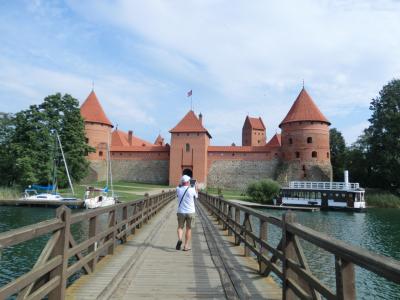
(97, 197)
(50, 193)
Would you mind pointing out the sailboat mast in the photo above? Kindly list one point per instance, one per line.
(54, 181)
(109, 166)
(65, 164)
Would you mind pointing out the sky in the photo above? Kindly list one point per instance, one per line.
(238, 57)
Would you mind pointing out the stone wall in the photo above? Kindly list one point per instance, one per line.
(239, 173)
(146, 171)
(300, 171)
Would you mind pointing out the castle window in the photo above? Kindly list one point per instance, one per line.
(87, 140)
(233, 154)
(187, 134)
(290, 141)
(297, 154)
(304, 167)
(327, 154)
(100, 153)
(309, 140)
(314, 154)
(187, 147)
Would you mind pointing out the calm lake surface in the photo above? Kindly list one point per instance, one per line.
(377, 230)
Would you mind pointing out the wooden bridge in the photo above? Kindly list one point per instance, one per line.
(129, 253)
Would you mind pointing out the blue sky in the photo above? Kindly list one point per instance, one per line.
(238, 57)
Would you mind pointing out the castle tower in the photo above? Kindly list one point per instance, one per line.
(253, 132)
(97, 126)
(188, 152)
(305, 142)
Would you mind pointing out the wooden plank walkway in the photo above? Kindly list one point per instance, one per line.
(148, 266)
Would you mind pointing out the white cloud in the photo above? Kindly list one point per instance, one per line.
(239, 57)
(337, 48)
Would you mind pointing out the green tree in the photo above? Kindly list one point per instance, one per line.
(34, 146)
(338, 153)
(7, 160)
(358, 163)
(384, 137)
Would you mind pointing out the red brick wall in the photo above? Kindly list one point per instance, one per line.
(145, 155)
(299, 133)
(98, 136)
(195, 158)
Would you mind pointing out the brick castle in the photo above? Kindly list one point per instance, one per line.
(300, 152)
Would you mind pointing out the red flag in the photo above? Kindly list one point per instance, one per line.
(189, 94)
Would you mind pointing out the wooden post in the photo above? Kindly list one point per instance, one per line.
(237, 226)
(263, 236)
(61, 248)
(248, 228)
(229, 219)
(224, 215)
(93, 228)
(144, 208)
(288, 252)
(134, 211)
(111, 224)
(124, 218)
(345, 279)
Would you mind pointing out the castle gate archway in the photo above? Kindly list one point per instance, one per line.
(187, 172)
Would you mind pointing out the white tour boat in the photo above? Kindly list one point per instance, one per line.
(326, 195)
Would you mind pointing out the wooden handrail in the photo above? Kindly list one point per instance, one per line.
(50, 273)
(19, 235)
(297, 279)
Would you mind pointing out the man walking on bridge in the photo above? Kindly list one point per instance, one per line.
(186, 211)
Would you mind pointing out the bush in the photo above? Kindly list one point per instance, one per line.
(382, 199)
(263, 191)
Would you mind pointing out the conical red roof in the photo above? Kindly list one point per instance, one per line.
(304, 109)
(189, 123)
(91, 110)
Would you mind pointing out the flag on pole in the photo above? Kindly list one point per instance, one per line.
(189, 94)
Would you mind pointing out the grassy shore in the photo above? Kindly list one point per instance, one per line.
(7, 193)
(382, 199)
(126, 191)
(229, 194)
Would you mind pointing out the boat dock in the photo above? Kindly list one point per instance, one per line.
(279, 207)
(43, 203)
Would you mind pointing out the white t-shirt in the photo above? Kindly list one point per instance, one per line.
(187, 204)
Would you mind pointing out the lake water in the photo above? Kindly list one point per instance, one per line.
(377, 230)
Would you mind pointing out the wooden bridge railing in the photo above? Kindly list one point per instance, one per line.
(287, 260)
(54, 266)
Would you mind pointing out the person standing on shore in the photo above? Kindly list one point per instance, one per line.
(186, 211)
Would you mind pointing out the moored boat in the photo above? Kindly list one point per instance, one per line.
(50, 191)
(95, 197)
(326, 195)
